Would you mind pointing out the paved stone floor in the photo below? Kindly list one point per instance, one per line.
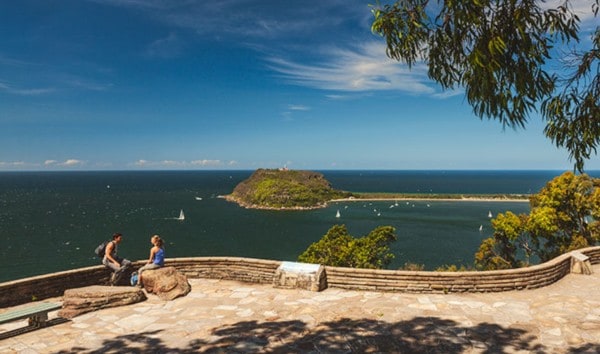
(230, 317)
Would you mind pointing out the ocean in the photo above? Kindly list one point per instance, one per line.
(52, 221)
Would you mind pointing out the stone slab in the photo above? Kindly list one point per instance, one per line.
(292, 275)
(78, 301)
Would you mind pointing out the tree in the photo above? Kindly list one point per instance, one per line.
(499, 51)
(338, 248)
(500, 250)
(565, 216)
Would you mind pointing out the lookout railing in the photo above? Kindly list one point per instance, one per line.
(262, 271)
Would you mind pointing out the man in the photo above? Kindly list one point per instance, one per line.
(114, 262)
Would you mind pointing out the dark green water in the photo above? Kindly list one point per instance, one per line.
(53, 221)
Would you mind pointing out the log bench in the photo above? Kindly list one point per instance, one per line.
(37, 313)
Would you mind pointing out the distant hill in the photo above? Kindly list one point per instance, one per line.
(285, 189)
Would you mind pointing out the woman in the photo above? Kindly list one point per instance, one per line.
(156, 259)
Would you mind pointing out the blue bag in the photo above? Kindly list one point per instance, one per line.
(134, 279)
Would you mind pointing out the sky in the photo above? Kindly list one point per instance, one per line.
(233, 84)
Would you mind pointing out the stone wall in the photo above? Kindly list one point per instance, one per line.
(248, 270)
(263, 271)
(451, 282)
(593, 253)
(52, 285)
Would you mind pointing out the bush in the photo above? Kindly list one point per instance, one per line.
(338, 248)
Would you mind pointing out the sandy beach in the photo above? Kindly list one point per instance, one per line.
(463, 199)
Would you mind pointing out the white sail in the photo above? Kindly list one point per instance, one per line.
(337, 215)
(181, 215)
(490, 214)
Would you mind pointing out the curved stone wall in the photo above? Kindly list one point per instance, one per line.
(445, 282)
(263, 271)
(593, 253)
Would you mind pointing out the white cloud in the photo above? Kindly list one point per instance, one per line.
(49, 164)
(158, 164)
(10, 164)
(348, 96)
(66, 163)
(287, 116)
(291, 108)
(582, 8)
(364, 68)
(204, 163)
(291, 27)
(171, 163)
(182, 164)
(168, 47)
(449, 93)
(87, 84)
(298, 107)
(71, 163)
(24, 92)
(246, 18)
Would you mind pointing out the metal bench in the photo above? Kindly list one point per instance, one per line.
(37, 313)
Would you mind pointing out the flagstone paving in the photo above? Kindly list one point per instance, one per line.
(221, 316)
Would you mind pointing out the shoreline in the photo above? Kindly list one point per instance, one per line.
(229, 198)
(431, 199)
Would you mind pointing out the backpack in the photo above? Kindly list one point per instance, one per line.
(101, 249)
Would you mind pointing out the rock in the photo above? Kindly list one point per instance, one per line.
(91, 298)
(167, 283)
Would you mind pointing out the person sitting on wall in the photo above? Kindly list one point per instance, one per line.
(156, 259)
(112, 261)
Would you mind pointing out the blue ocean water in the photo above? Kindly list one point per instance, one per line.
(52, 221)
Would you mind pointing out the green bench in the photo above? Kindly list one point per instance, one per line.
(37, 313)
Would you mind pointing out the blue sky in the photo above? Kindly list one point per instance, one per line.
(233, 84)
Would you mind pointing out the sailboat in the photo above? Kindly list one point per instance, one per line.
(490, 214)
(480, 228)
(337, 215)
(181, 215)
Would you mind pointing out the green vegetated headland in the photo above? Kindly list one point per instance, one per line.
(283, 189)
